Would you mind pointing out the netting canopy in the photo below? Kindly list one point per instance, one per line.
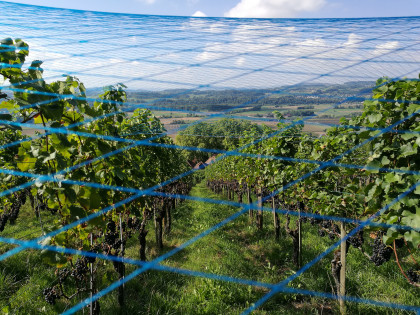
(170, 65)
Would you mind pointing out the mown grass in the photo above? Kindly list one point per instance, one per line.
(237, 249)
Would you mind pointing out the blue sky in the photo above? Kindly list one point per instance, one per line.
(245, 8)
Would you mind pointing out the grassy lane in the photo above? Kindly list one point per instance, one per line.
(240, 250)
(237, 250)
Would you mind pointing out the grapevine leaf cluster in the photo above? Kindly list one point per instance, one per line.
(61, 104)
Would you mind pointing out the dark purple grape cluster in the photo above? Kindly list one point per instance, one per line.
(95, 249)
(381, 253)
(50, 295)
(321, 233)
(117, 244)
(399, 243)
(14, 210)
(18, 202)
(63, 274)
(80, 269)
(111, 226)
(356, 240)
(43, 206)
(414, 275)
(110, 238)
(131, 223)
(326, 224)
(3, 220)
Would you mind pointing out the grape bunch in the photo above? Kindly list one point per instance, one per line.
(63, 274)
(314, 220)
(50, 295)
(131, 224)
(80, 269)
(414, 275)
(321, 233)
(356, 240)
(111, 226)
(110, 238)
(43, 206)
(95, 249)
(117, 244)
(399, 242)
(326, 224)
(381, 253)
(3, 220)
(14, 210)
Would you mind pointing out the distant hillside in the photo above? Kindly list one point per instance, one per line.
(218, 100)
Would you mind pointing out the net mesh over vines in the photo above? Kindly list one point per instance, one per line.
(168, 65)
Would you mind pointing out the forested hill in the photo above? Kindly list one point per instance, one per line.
(216, 100)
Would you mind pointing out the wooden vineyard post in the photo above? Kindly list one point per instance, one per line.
(121, 269)
(276, 219)
(249, 200)
(299, 238)
(342, 291)
(91, 278)
(260, 210)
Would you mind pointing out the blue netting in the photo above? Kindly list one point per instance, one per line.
(183, 55)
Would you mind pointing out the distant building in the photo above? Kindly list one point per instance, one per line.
(201, 165)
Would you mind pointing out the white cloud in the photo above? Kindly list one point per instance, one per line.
(385, 48)
(199, 14)
(273, 8)
(240, 61)
(206, 56)
(353, 41)
(147, 1)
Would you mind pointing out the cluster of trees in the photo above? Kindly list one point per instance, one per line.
(299, 113)
(223, 134)
(81, 149)
(385, 136)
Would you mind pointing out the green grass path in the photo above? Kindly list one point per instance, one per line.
(238, 250)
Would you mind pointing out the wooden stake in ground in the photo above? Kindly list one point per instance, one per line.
(249, 200)
(276, 220)
(91, 277)
(342, 270)
(121, 269)
(260, 210)
(299, 226)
